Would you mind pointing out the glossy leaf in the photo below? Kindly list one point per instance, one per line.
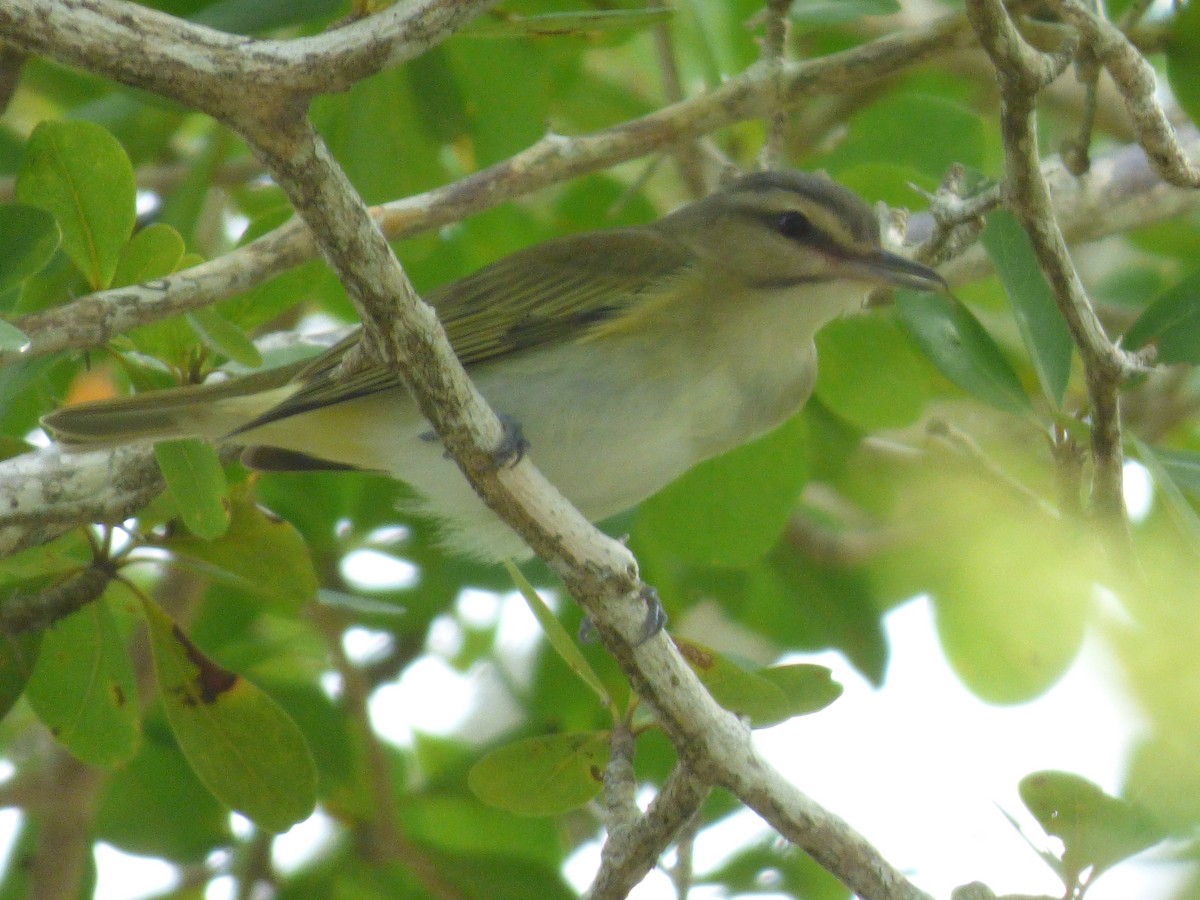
(79, 173)
(1183, 466)
(1174, 473)
(240, 744)
(1041, 324)
(83, 687)
(29, 236)
(197, 483)
(730, 510)
(961, 348)
(542, 776)
(64, 555)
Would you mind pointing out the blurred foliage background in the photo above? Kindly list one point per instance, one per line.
(918, 468)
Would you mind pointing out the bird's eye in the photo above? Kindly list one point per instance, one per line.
(794, 225)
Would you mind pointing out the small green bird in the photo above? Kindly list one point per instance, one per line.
(627, 356)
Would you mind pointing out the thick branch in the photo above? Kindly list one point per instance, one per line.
(211, 70)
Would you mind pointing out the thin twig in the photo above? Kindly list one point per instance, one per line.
(1021, 72)
(631, 853)
(1135, 78)
(774, 47)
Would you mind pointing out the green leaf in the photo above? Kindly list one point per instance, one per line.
(18, 654)
(503, 121)
(923, 132)
(809, 688)
(1041, 324)
(1183, 59)
(241, 745)
(62, 556)
(388, 103)
(29, 236)
(542, 776)
(460, 823)
(266, 301)
(12, 338)
(736, 689)
(219, 334)
(1172, 323)
(765, 696)
(961, 348)
(83, 687)
(259, 552)
(79, 173)
(153, 252)
(197, 483)
(1097, 831)
(868, 373)
(730, 510)
(834, 12)
(564, 645)
(1011, 587)
(140, 808)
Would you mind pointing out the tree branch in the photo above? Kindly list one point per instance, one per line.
(630, 853)
(1135, 79)
(1021, 72)
(209, 69)
(94, 319)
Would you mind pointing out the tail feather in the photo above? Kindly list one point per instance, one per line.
(204, 410)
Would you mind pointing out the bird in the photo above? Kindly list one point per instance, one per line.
(624, 356)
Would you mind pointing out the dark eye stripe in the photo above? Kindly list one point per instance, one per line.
(796, 226)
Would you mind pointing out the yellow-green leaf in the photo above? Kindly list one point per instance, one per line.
(542, 776)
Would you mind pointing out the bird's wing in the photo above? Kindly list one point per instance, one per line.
(568, 287)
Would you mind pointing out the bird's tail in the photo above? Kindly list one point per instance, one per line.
(203, 410)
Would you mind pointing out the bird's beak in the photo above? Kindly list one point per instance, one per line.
(896, 270)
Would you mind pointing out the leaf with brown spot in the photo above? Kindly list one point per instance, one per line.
(81, 684)
(244, 748)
